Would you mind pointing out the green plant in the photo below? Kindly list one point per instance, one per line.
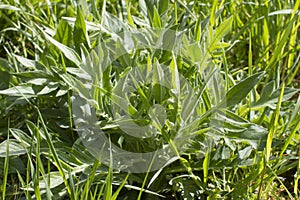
(241, 141)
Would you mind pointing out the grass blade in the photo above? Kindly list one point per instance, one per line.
(6, 166)
(273, 126)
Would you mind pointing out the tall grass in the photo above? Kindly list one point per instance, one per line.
(239, 142)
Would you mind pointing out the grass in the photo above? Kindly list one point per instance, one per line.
(216, 84)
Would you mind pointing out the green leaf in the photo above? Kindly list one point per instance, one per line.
(163, 6)
(158, 73)
(169, 40)
(9, 7)
(278, 51)
(245, 153)
(39, 87)
(38, 81)
(48, 88)
(219, 33)
(33, 75)
(5, 79)
(159, 91)
(213, 11)
(107, 85)
(156, 175)
(64, 33)
(273, 124)
(15, 165)
(197, 30)
(194, 52)
(206, 166)
(143, 9)
(19, 90)
(238, 92)
(21, 137)
(26, 62)
(54, 178)
(80, 33)
(15, 148)
(270, 96)
(156, 19)
(67, 51)
(175, 75)
(129, 17)
(115, 195)
(253, 132)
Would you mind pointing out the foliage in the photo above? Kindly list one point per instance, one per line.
(235, 63)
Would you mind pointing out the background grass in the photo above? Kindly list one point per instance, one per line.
(255, 47)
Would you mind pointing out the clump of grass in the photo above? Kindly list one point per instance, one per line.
(250, 126)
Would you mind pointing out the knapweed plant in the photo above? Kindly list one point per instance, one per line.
(148, 99)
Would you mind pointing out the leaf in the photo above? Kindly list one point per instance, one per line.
(21, 137)
(15, 165)
(220, 32)
(149, 6)
(269, 96)
(213, 11)
(225, 153)
(33, 74)
(156, 19)
(238, 92)
(108, 183)
(33, 128)
(175, 75)
(80, 33)
(62, 91)
(163, 6)
(129, 17)
(122, 53)
(170, 161)
(285, 36)
(5, 79)
(67, 51)
(38, 81)
(143, 8)
(19, 90)
(197, 30)
(5, 65)
(64, 33)
(39, 87)
(245, 153)
(54, 178)
(158, 73)
(159, 91)
(188, 106)
(48, 88)
(168, 40)
(115, 195)
(278, 12)
(205, 166)
(274, 124)
(15, 148)
(9, 7)
(26, 62)
(253, 132)
(194, 52)
(90, 26)
(113, 23)
(107, 85)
